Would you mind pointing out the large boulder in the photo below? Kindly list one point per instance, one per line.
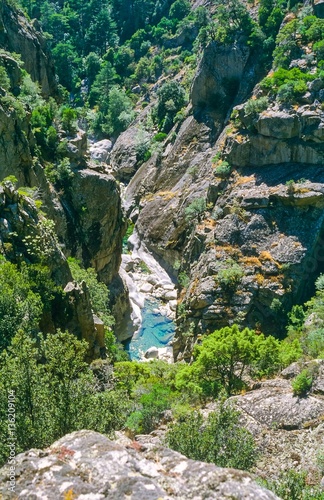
(99, 151)
(273, 404)
(87, 465)
(124, 157)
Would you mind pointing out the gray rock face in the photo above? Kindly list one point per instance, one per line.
(77, 148)
(218, 77)
(19, 219)
(91, 467)
(288, 430)
(262, 231)
(275, 142)
(83, 323)
(15, 155)
(274, 405)
(95, 198)
(20, 36)
(100, 150)
(124, 155)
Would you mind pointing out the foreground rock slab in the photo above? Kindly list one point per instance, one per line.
(88, 466)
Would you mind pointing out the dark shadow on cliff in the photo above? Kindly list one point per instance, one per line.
(273, 175)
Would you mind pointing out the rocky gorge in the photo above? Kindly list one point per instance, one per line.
(216, 221)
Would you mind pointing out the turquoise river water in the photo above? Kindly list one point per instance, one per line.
(156, 330)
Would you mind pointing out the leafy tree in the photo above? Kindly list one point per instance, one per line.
(20, 306)
(64, 57)
(55, 391)
(99, 292)
(171, 98)
(151, 406)
(129, 373)
(223, 356)
(92, 66)
(179, 9)
(68, 117)
(118, 113)
(102, 32)
(4, 79)
(104, 81)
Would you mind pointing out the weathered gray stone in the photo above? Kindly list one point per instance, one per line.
(90, 466)
(152, 353)
(124, 155)
(278, 124)
(96, 198)
(100, 150)
(19, 35)
(274, 405)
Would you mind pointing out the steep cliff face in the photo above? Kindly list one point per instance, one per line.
(164, 186)
(20, 36)
(258, 250)
(87, 213)
(236, 212)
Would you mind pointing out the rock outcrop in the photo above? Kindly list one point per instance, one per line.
(288, 429)
(24, 235)
(236, 214)
(87, 465)
(219, 77)
(94, 206)
(19, 35)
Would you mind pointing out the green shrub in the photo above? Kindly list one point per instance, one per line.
(291, 91)
(68, 117)
(184, 279)
(56, 396)
(255, 106)
(219, 440)
(292, 485)
(160, 137)
(152, 404)
(222, 358)
(223, 170)
(99, 292)
(302, 383)
(195, 209)
(4, 79)
(60, 174)
(231, 276)
(171, 98)
(319, 283)
(20, 306)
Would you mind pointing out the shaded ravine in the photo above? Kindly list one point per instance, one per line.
(153, 301)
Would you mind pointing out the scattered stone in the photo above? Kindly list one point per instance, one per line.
(152, 353)
(173, 305)
(170, 295)
(146, 288)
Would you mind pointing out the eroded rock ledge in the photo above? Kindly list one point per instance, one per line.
(91, 467)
